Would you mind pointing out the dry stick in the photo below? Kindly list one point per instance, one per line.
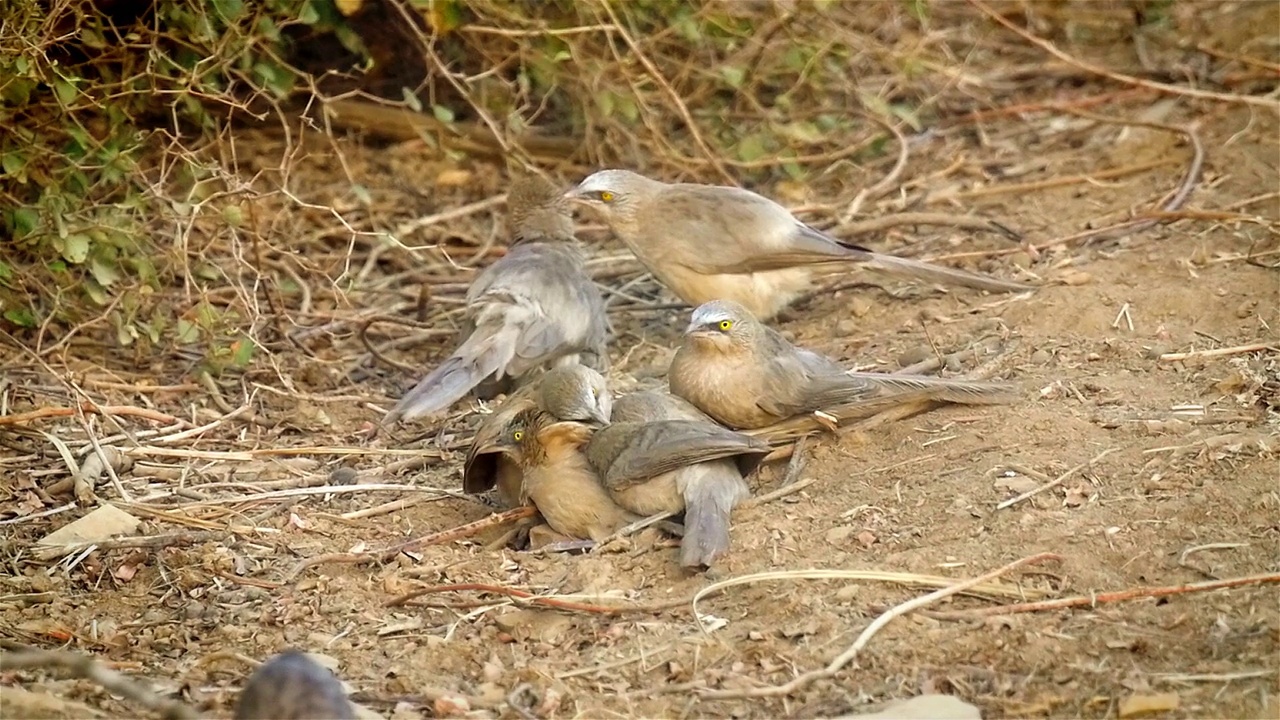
(531, 599)
(47, 552)
(117, 410)
(1109, 597)
(1120, 77)
(1054, 482)
(863, 639)
(879, 224)
(674, 96)
(86, 667)
(888, 182)
(437, 538)
(1220, 352)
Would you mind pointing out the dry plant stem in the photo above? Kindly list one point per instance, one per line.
(437, 538)
(151, 542)
(1054, 482)
(529, 598)
(86, 667)
(1120, 77)
(964, 222)
(864, 638)
(671, 94)
(89, 408)
(784, 491)
(1220, 352)
(1091, 601)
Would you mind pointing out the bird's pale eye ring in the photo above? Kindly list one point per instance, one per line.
(724, 325)
(517, 435)
(606, 196)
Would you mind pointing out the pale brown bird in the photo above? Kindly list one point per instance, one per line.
(533, 307)
(746, 375)
(711, 242)
(662, 455)
(557, 478)
(291, 686)
(572, 392)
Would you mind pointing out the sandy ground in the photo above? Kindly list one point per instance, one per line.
(1173, 480)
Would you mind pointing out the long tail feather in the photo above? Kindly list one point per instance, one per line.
(964, 392)
(941, 273)
(488, 350)
(711, 490)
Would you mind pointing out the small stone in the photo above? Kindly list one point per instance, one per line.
(1020, 259)
(1041, 357)
(860, 306)
(846, 327)
(920, 353)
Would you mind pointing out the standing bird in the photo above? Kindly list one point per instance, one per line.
(533, 307)
(664, 455)
(712, 242)
(291, 686)
(573, 392)
(746, 375)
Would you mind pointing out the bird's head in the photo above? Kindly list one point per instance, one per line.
(576, 392)
(614, 194)
(535, 436)
(537, 210)
(721, 325)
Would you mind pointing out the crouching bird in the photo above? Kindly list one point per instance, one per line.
(745, 375)
(588, 484)
(291, 686)
(533, 307)
(714, 242)
(572, 392)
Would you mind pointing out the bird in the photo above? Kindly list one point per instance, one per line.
(573, 392)
(662, 455)
(745, 375)
(292, 686)
(558, 480)
(714, 242)
(533, 307)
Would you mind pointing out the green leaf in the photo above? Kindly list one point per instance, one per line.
(362, 194)
(233, 216)
(96, 292)
(188, 332)
(6, 272)
(104, 271)
(733, 75)
(308, 15)
(607, 102)
(65, 91)
(14, 163)
(74, 247)
(442, 113)
(752, 147)
(242, 352)
(25, 221)
(411, 99)
(22, 317)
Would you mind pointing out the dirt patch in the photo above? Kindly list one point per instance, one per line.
(1186, 492)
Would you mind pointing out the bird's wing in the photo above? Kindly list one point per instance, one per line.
(714, 230)
(628, 453)
(649, 405)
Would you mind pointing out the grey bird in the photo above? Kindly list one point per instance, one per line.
(291, 686)
(712, 242)
(572, 392)
(533, 307)
(746, 375)
(661, 454)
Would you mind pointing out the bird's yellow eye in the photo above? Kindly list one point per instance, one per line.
(606, 196)
(517, 435)
(724, 325)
